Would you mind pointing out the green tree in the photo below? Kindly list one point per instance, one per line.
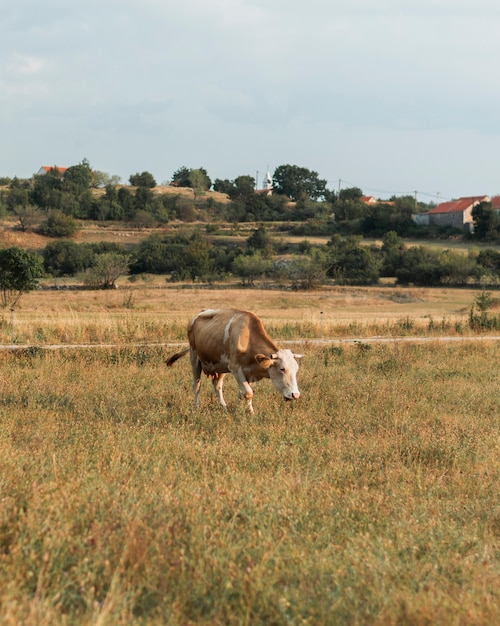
(242, 186)
(103, 179)
(146, 179)
(419, 266)
(59, 225)
(180, 177)
(262, 241)
(486, 221)
(348, 205)
(196, 258)
(350, 263)
(307, 272)
(250, 267)
(199, 181)
(28, 215)
(392, 250)
(108, 267)
(78, 178)
(67, 258)
(456, 268)
(490, 260)
(292, 180)
(18, 196)
(159, 255)
(20, 271)
(47, 189)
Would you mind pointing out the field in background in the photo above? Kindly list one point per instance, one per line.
(152, 311)
(371, 500)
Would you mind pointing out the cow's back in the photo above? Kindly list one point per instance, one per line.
(227, 337)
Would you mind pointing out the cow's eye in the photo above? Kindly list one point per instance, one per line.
(282, 369)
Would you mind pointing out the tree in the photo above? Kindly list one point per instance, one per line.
(250, 267)
(241, 186)
(490, 260)
(59, 225)
(456, 267)
(180, 177)
(419, 265)
(27, 214)
(292, 180)
(262, 241)
(78, 178)
(47, 189)
(195, 258)
(67, 258)
(349, 263)
(392, 249)
(142, 180)
(20, 271)
(106, 271)
(486, 221)
(103, 179)
(199, 181)
(348, 205)
(307, 272)
(18, 196)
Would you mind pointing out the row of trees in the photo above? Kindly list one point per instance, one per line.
(299, 198)
(343, 261)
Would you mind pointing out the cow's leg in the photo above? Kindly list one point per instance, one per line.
(196, 367)
(246, 390)
(217, 382)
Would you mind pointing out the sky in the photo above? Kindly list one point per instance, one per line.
(391, 96)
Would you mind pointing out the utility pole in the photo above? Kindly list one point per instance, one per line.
(338, 194)
(416, 203)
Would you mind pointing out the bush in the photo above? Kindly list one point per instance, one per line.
(59, 225)
(19, 273)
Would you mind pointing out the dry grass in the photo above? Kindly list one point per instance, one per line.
(371, 500)
(151, 311)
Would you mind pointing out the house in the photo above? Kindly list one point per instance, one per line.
(46, 168)
(372, 200)
(456, 213)
(495, 203)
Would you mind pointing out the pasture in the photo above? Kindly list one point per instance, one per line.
(373, 499)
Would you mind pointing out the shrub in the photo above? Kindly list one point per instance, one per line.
(59, 224)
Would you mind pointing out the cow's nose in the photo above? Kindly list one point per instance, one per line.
(295, 395)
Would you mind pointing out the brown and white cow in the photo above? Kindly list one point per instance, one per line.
(225, 341)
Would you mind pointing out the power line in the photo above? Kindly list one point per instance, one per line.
(437, 194)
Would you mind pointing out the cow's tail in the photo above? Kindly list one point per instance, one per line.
(174, 357)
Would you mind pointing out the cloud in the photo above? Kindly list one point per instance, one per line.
(226, 83)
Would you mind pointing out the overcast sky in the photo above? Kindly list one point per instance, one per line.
(392, 96)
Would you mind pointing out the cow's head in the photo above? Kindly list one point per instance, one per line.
(282, 369)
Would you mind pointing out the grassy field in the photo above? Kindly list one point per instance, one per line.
(373, 499)
(150, 311)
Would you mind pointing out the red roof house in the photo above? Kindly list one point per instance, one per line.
(368, 200)
(45, 169)
(495, 203)
(456, 213)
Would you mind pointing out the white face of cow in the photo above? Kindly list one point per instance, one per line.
(282, 368)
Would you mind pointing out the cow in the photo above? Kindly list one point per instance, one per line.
(225, 341)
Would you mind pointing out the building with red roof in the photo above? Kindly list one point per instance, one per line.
(45, 169)
(455, 213)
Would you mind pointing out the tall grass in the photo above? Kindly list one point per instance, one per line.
(142, 314)
(371, 500)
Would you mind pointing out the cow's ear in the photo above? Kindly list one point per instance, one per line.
(264, 361)
(298, 356)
